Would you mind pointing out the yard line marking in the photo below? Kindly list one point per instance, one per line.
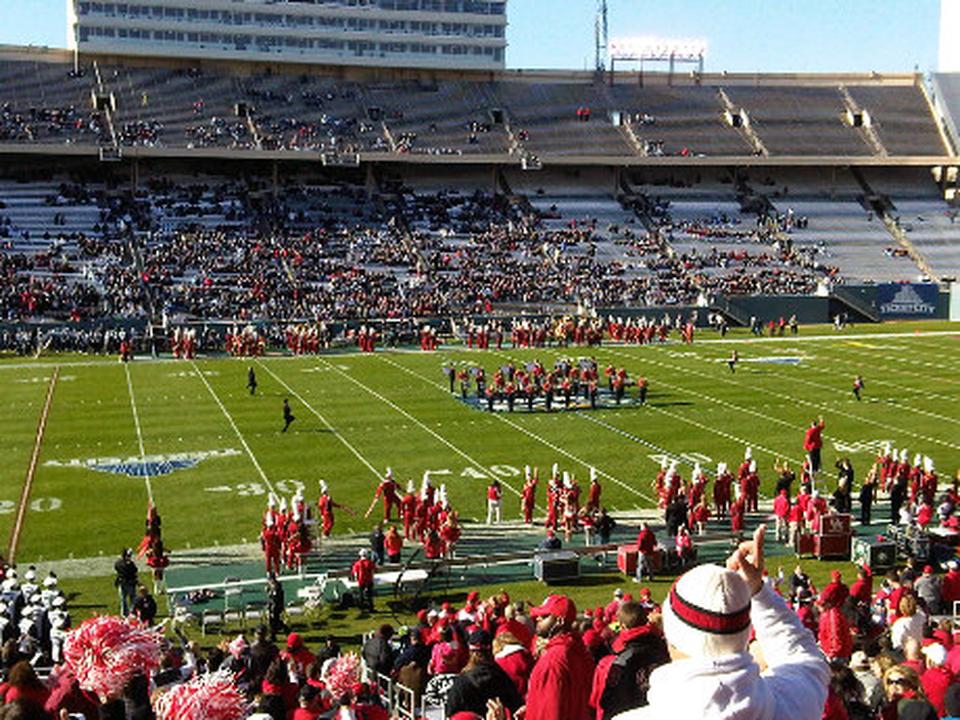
(136, 424)
(322, 419)
(226, 414)
(873, 356)
(31, 469)
(902, 388)
(898, 405)
(536, 437)
(681, 418)
(818, 405)
(410, 417)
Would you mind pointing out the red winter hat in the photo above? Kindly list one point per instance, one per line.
(836, 575)
(928, 569)
(293, 641)
(557, 605)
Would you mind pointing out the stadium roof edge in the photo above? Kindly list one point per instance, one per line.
(357, 72)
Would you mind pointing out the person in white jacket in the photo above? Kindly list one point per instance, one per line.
(706, 620)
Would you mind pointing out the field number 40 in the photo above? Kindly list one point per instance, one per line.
(40, 504)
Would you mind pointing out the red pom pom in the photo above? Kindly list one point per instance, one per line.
(207, 697)
(106, 652)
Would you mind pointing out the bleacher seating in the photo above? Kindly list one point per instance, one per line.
(898, 117)
(799, 120)
(45, 102)
(687, 120)
(548, 113)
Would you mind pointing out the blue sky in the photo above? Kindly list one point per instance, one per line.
(742, 35)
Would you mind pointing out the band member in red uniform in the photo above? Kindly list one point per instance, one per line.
(700, 515)
(752, 483)
(326, 505)
(528, 495)
(745, 465)
(721, 490)
(387, 489)
(593, 498)
(660, 484)
(270, 544)
(553, 498)
(736, 517)
(408, 510)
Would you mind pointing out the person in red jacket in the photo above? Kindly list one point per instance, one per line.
(781, 510)
(362, 571)
(559, 688)
(812, 443)
(514, 658)
(950, 585)
(297, 654)
(937, 677)
(834, 630)
(646, 547)
(24, 685)
(393, 545)
(862, 588)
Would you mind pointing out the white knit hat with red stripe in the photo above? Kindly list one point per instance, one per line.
(707, 612)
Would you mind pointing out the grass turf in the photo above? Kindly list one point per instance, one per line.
(357, 414)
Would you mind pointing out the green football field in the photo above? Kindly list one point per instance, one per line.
(215, 452)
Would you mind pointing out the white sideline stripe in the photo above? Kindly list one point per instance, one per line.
(533, 435)
(32, 468)
(226, 414)
(322, 419)
(136, 424)
(410, 417)
(828, 338)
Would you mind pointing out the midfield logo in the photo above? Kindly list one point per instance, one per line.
(148, 466)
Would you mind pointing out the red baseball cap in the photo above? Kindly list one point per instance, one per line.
(557, 605)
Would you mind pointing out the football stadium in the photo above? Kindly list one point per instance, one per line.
(351, 373)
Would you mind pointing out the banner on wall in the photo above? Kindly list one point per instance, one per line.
(955, 301)
(913, 300)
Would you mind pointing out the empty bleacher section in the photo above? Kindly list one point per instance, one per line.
(679, 121)
(897, 113)
(798, 120)
(563, 119)
(543, 115)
